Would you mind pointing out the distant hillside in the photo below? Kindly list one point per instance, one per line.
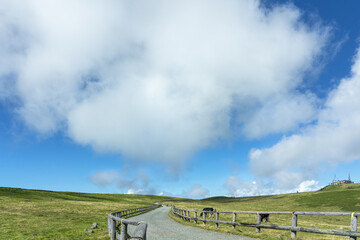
(334, 198)
(337, 197)
(43, 195)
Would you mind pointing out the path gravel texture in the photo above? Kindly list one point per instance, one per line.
(160, 226)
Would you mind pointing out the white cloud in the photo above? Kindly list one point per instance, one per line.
(129, 183)
(196, 191)
(307, 186)
(332, 140)
(142, 191)
(156, 81)
(169, 194)
(105, 178)
(238, 188)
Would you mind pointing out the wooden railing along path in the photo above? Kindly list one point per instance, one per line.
(294, 228)
(118, 217)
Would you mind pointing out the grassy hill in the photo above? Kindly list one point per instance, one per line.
(341, 198)
(35, 214)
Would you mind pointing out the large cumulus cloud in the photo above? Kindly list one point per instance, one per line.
(156, 80)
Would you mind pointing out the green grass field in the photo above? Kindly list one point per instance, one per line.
(342, 198)
(33, 214)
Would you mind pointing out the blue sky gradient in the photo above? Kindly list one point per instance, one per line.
(164, 117)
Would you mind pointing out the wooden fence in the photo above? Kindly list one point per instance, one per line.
(118, 217)
(294, 228)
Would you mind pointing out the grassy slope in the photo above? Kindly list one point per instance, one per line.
(343, 198)
(34, 214)
(65, 215)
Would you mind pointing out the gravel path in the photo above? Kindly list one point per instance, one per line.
(160, 226)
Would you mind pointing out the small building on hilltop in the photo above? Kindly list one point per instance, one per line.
(339, 182)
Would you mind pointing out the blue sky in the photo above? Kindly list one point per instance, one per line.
(178, 98)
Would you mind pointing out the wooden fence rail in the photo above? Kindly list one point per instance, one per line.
(118, 217)
(352, 234)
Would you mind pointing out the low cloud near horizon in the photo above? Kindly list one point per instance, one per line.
(196, 191)
(159, 81)
(239, 188)
(138, 183)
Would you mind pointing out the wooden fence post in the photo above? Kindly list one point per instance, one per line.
(353, 225)
(195, 217)
(258, 221)
(217, 219)
(123, 235)
(294, 224)
(234, 220)
(113, 229)
(140, 232)
(204, 217)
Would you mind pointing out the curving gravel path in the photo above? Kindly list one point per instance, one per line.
(160, 226)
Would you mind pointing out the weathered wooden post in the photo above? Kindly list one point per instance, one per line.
(113, 229)
(258, 221)
(234, 220)
(140, 232)
(109, 225)
(195, 217)
(217, 219)
(353, 225)
(294, 224)
(123, 235)
(204, 217)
